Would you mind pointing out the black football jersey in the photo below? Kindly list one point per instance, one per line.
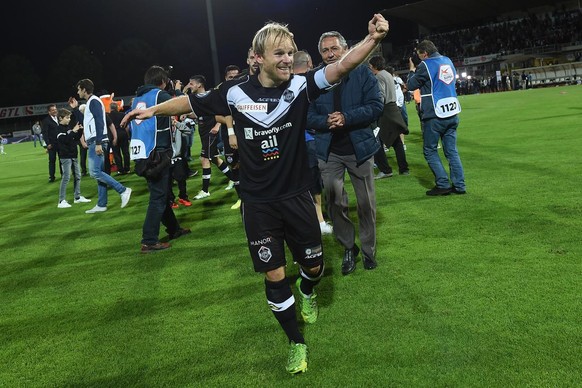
(270, 131)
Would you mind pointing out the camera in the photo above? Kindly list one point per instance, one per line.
(170, 85)
(414, 55)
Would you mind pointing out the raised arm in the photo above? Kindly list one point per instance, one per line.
(377, 30)
(172, 107)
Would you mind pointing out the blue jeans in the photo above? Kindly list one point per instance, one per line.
(69, 164)
(446, 131)
(103, 179)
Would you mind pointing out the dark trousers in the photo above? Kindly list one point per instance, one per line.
(159, 210)
(83, 159)
(53, 153)
(106, 160)
(121, 153)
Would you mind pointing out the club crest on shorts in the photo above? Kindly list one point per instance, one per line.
(265, 254)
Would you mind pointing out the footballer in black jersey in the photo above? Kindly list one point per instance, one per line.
(269, 111)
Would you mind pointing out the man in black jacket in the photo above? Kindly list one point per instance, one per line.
(50, 130)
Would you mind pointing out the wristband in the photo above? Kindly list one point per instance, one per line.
(230, 131)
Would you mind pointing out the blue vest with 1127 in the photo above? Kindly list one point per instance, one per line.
(443, 77)
(143, 132)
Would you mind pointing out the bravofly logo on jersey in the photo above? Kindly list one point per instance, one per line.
(270, 148)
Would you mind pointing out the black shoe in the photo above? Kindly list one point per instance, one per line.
(405, 172)
(369, 263)
(457, 191)
(178, 233)
(349, 262)
(51, 180)
(438, 191)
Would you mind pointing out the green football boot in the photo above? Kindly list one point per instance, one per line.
(297, 361)
(308, 305)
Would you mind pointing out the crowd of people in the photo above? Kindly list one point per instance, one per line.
(289, 132)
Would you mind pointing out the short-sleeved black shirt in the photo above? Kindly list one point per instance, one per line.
(270, 131)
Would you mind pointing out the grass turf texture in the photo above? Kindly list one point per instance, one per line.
(474, 290)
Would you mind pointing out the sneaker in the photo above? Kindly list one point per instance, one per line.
(146, 248)
(297, 360)
(175, 205)
(63, 204)
(236, 205)
(125, 197)
(97, 209)
(382, 175)
(325, 227)
(185, 202)
(202, 194)
(458, 191)
(230, 185)
(82, 199)
(435, 191)
(405, 172)
(307, 304)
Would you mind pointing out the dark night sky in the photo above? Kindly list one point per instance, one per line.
(44, 28)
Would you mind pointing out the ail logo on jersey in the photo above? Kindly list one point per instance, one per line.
(288, 96)
(446, 74)
(255, 107)
(265, 254)
(270, 148)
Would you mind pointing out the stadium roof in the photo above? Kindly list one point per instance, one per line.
(433, 14)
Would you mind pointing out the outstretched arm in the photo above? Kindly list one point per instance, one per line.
(377, 30)
(172, 107)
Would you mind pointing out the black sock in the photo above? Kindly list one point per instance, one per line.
(282, 303)
(226, 171)
(206, 173)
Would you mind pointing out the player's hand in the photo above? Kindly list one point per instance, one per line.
(215, 129)
(136, 114)
(233, 142)
(73, 103)
(378, 27)
(99, 149)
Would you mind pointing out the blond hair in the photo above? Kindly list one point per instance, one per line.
(273, 32)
